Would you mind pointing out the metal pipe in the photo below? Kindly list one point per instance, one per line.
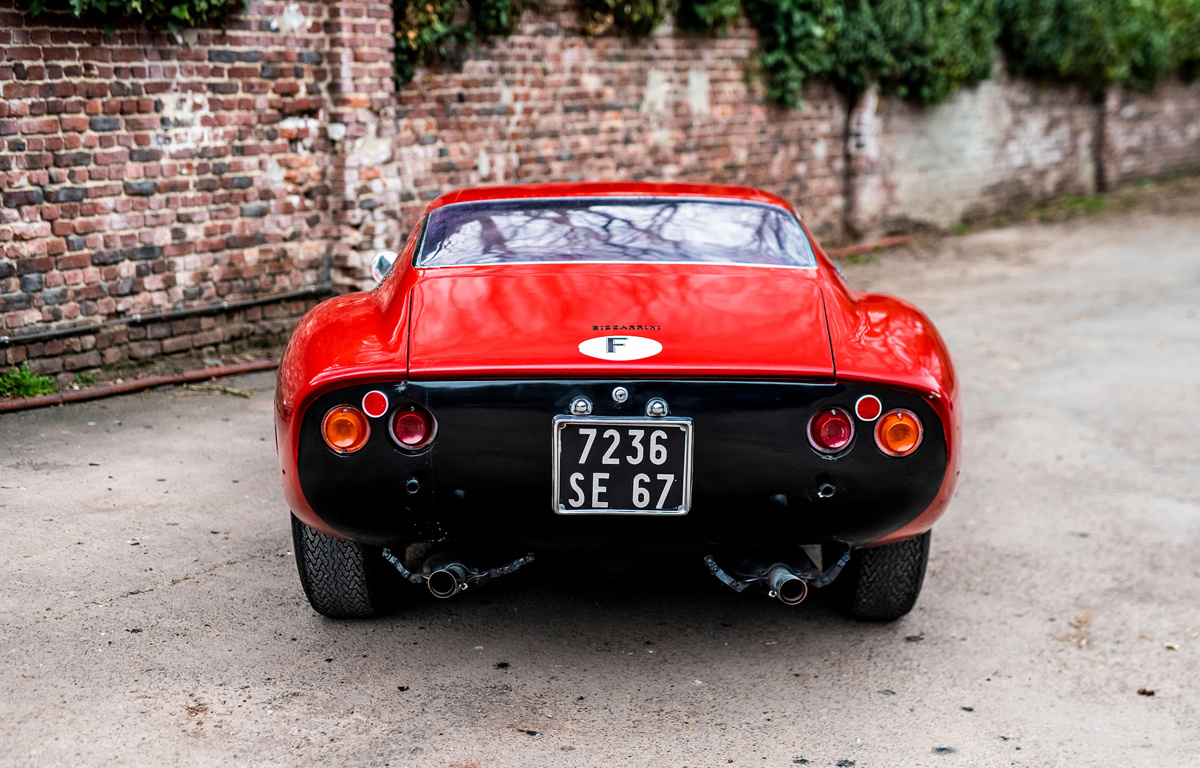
(787, 586)
(175, 314)
(448, 580)
(134, 385)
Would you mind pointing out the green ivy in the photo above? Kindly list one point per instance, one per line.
(152, 14)
(922, 50)
(936, 47)
(636, 18)
(918, 49)
(711, 17)
(860, 50)
(1096, 43)
(22, 382)
(796, 41)
(1183, 23)
(432, 33)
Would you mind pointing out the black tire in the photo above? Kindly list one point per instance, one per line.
(883, 583)
(344, 579)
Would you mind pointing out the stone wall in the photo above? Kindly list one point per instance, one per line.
(985, 150)
(1006, 145)
(1149, 135)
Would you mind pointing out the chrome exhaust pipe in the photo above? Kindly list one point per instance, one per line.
(446, 575)
(448, 580)
(787, 586)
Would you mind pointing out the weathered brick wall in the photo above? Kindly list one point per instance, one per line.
(548, 104)
(142, 175)
(1152, 134)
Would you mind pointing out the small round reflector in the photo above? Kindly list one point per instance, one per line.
(345, 429)
(899, 432)
(413, 428)
(375, 403)
(830, 430)
(868, 408)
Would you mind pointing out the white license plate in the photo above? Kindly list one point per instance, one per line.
(622, 466)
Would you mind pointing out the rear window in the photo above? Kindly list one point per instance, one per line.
(613, 230)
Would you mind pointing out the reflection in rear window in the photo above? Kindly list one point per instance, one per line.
(613, 230)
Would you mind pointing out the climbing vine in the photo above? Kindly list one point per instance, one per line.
(441, 32)
(922, 50)
(173, 15)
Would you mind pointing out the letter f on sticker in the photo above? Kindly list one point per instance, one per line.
(614, 342)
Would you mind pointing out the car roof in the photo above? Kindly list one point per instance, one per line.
(626, 189)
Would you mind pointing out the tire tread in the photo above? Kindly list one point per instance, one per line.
(886, 581)
(340, 578)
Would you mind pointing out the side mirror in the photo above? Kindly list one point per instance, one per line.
(382, 264)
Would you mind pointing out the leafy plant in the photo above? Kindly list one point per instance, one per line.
(935, 46)
(632, 17)
(1096, 43)
(22, 382)
(796, 43)
(708, 16)
(173, 15)
(917, 49)
(1183, 23)
(426, 34)
(438, 32)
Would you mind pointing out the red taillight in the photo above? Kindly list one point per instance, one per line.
(413, 427)
(831, 430)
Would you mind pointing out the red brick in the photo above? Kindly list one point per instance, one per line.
(82, 360)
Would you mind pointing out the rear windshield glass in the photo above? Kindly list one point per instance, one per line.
(613, 230)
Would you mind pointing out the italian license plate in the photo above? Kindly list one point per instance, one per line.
(622, 466)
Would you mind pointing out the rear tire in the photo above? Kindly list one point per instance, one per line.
(883, 583)
(344, 579)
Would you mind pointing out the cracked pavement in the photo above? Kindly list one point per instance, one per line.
(150, 613)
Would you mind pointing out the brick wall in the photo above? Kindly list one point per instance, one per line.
(548, 104)
(143, 174)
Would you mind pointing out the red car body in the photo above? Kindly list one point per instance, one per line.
(716, 323)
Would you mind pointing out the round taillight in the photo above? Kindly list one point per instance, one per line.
(868, 408)
(375, 403)
(898, 432)
(413, 427)
(831, 430)
(345, 429)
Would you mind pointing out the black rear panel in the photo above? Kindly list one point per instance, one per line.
(488, 476)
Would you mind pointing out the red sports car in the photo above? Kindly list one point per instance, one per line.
(624, 367)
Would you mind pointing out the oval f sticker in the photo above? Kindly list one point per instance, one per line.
(620, 347)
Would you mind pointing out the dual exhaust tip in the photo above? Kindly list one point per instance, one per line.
(448, 578)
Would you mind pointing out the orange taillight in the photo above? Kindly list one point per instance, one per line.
(898, 432)
(345, 429)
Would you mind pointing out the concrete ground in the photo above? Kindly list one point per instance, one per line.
(150, 612)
